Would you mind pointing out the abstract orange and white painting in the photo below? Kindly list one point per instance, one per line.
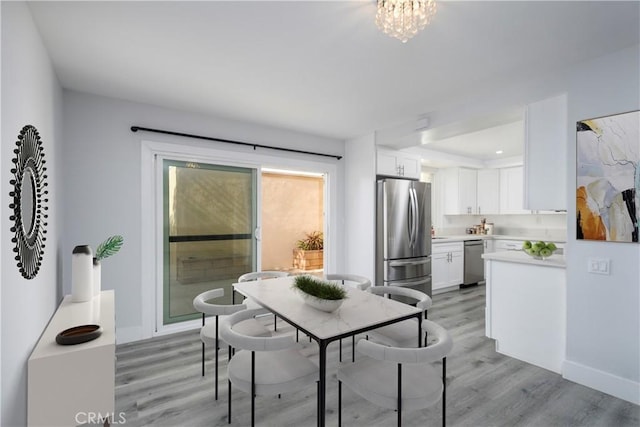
(608, 178)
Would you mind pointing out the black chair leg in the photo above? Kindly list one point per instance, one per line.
(399, 394)
(229, 403)
(203, 359)
(340, 358)
(444, 391)
(339, 403)
(353, 348)
(217, 351)
(275, 323)
(253, 388)
(203, 321)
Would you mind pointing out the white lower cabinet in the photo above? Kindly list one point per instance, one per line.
(447, 264)
(508, 245)
(526, 310)
(489, 245)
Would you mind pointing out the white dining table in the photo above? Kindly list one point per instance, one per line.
(361, 311)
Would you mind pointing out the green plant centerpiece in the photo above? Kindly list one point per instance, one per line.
(320, 294)
(309, 254)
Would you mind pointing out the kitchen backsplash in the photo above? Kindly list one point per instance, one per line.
(550, 226)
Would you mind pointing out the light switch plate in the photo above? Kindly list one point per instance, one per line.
(599, 265)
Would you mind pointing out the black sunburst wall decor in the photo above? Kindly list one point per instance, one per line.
(29, 202)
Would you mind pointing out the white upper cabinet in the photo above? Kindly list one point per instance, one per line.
(397, 163)
(511, 191)
(467, 191)
(488, 192)
(470, 191)
(459, 188)
(480, 192)
(545, 156)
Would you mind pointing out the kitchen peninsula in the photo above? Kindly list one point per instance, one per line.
(526, 307)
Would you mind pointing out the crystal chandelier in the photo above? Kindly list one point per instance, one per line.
(403, 19)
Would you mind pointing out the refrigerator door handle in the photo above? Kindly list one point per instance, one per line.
(409, 263)
(416, 217)
(410, 214)
(413, 215)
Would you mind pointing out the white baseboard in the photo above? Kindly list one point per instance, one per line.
(130, 334)
(136, 333)
(605, 382)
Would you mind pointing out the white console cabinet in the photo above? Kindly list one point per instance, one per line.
(69, 383)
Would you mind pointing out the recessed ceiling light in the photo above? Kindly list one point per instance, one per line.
(499, 152)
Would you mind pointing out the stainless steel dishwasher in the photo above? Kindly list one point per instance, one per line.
(473, 262)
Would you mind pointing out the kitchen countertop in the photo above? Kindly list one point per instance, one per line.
(463, 237)
(522, 258)
(460, 238)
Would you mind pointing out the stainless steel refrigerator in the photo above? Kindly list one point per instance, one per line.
(403, 235)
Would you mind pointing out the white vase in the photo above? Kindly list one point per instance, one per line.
(97, 273)
(81, 274)
(326, 305)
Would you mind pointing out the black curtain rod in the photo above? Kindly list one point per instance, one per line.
(228, 141)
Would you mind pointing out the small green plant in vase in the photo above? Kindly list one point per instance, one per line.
(107, 248)
(320, 294)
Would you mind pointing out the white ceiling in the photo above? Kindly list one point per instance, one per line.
(318, 67)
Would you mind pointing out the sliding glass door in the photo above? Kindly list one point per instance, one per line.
(210, 218)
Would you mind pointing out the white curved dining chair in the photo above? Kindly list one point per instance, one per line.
(264, 365)
(359, 282)
(355, 281)
(405, 333)
(209, 334)
(399, 378)
(261, 275)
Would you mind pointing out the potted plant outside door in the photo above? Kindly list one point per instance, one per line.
(309, 253)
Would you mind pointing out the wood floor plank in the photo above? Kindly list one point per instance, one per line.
(159, 383)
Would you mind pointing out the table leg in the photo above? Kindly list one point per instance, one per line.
(322, 383)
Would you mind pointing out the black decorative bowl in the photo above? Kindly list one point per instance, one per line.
(79, 334)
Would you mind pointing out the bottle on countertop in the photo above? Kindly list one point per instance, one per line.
(488, 228)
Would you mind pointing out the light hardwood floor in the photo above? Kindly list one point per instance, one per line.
(159, 383)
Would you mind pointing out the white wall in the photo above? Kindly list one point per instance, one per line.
(360, 205)
(603, 319)
(103, 181)
(30, 95)
(543, 226)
